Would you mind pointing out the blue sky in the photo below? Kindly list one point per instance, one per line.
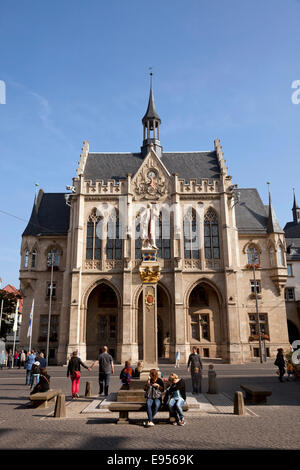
(77, 70)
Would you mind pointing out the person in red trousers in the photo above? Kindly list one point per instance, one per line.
(74, 371)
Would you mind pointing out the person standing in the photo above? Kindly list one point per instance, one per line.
(28, 366)
(42, 360)
(10, 360)
(74, 372)
(280, 363)
(153, 388)
(22, 359)
(35, 372)
(177, 358)
(195, 364)
(2, 358)
(106, 368)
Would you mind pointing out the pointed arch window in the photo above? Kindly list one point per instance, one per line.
(93, 242)
(26, 258)
(211, 235)
(252, 255)
(280, 256)
(53, 256)
(163, 244)
(191, 245)
(113, 242)
(272, 256)
(33, 258)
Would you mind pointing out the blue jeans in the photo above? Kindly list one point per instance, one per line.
(153, 406)
(104, 378)
(28, 377)
(36, 377)
(196, 382)
(175, 407)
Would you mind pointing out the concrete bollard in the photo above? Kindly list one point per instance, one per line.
(238, 404)
(88, 389)
(60, 406)
(212, 380)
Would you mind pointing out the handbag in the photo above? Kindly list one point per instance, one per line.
(75, 375)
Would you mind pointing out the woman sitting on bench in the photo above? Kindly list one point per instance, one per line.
(44, 382)
(153, 389)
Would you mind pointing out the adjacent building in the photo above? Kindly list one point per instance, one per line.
(292, 289)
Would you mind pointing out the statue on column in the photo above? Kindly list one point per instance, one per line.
(148, 225)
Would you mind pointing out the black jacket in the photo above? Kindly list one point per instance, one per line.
(280, 361)
(43, 385)
(180, 386)
(74, 364)
(195, 361)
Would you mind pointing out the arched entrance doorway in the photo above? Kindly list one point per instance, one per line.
(102, 321)
(292, 331)
(204, 322)
(164, 330)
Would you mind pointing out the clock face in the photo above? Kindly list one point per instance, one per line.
(151, 174)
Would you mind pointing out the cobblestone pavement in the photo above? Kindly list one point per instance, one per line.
(272, 426)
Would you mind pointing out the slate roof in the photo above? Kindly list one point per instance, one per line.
(251, 214)
(50, 215)
(292, 230)
(187, 164)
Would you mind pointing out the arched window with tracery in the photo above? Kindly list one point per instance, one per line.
(272, 256)
(93, 241)
(163, 244)
(191, 237)
(53, 256)
(33, 258)
(280, 256)
(113, 242)
(211, 235)
(252, 255)
(26, 258)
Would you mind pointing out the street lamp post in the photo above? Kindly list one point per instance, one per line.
(50, 307)
(257, 312)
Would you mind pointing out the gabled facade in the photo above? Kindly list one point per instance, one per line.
(205, 292)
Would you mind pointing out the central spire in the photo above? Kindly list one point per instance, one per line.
(151, 124)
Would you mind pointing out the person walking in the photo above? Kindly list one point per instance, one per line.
(154, 389)
(74, 372)
(28, 366)
(195, 364)
(106, 368)
(174, 398)
(280, 363)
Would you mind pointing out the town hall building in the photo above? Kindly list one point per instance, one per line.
(208, 233)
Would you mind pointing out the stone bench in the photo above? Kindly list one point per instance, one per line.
(255, 394)
(41, 399)
(124, 408)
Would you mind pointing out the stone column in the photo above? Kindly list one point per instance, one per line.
(150, 273)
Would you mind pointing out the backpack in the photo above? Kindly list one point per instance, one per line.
(36, 368)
